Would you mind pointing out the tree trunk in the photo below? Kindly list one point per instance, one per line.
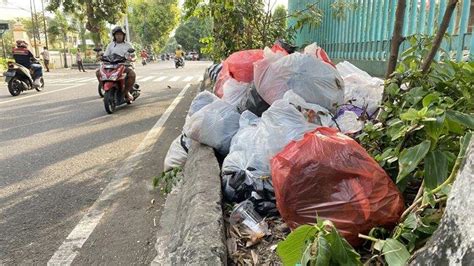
(64, 50)
(397, 38)
(439, 36)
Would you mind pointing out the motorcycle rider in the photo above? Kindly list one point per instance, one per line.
(24, 57)
(120, 47)
(144, 55)
(179, 52)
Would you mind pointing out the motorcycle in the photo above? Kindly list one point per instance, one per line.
(19, 79)
(144, 61)
(179, 62)
(112, 78)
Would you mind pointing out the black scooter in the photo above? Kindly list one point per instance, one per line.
(19, 79)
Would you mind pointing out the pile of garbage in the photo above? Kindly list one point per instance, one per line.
(283, 121)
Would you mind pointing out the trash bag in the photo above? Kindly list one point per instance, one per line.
(214, 125)
(222, 77)
(328, 175)
(319, 52)
(312, 113)
(177, 153)
(281, 44)
(202, 99)
(253, 102)
(240, 64)
(361, 89)
(235, 91)
(309, 77)
(261, 67)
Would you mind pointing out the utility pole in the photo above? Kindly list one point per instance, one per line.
(34, 28)
(126, 28)
(44, 23)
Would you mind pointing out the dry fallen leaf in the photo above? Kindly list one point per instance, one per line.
(254, 257)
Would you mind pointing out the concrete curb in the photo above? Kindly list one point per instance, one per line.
(192, 227)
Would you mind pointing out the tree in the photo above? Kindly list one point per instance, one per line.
(397, 38)
(153, 20)
(170, 45)
(96, 12)
(279, 21)
(60, 28)
(247, 24)
(191, 31)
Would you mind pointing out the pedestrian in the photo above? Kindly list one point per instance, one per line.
(79, 61)
(45, 55)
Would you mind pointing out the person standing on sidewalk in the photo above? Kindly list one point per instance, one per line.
(45, 55)
(80, 66)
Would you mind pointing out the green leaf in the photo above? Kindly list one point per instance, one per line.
(342, 252)
(415, 95)
(410, 115)
(466, 120)
(393, 89)
(435, 128)
(397, 129)
(430, 98)
(395, 253)
(323, 256)
(436, 168)
(410, 222)
(291, 249)
(307, 257)
(410, 158)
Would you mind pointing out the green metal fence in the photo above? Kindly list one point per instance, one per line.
(364, 32)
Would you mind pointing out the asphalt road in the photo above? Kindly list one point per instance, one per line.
(59, 150)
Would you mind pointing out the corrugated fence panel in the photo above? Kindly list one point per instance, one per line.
(365, 30)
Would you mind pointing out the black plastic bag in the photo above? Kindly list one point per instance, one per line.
(253, 102)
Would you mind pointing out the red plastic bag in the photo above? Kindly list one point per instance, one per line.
(277, 48)
(238, 66)
(330, 176)
(223, 76)
(319, 52)
(241, 64)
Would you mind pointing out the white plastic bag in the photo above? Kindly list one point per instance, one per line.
(213, 125)
(361, 89)
(177, 153)
(309, 77)
(235, 91)
(313, 113)
(202, 99)
(349, 123)
(257, 143)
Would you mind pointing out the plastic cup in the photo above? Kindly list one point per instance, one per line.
(245, 213)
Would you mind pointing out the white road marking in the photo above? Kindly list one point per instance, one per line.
(146, 79)
(176, 78)
(70, 247)
(161, 78)
(40, 94)
(188, 79)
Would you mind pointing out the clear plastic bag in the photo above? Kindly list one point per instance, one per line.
(202, 99)
(235, 91)
(309, 77)
(214, 125)
(361, 89)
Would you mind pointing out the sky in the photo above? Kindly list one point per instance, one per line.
(10, 9)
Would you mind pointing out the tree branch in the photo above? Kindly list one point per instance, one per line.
(397, 38)
(439, 36)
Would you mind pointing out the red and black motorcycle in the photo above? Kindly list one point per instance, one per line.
(113, 79)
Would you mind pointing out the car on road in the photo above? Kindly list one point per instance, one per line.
(192, 56)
